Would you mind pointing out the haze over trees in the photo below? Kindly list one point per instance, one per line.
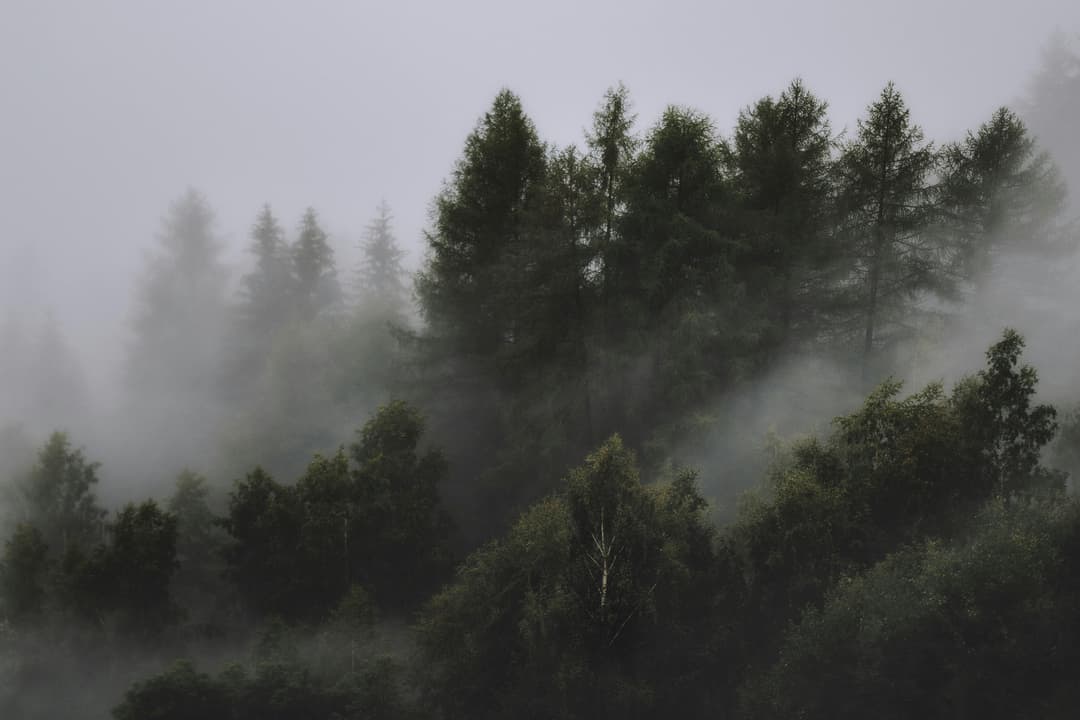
(466, 494)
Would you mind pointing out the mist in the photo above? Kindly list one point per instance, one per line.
(251, 272)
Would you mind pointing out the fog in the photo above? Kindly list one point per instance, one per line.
(122, 119)
(111, 109)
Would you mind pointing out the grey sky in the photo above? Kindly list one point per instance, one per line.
(110, 108)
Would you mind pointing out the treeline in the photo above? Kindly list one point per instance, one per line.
(569, 293)
(595, 303)
(920, 558)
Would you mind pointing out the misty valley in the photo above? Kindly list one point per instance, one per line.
(781, 422)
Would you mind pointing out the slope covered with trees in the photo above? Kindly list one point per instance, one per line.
(511, 531)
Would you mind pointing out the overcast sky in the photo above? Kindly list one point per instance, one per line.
(110, 109)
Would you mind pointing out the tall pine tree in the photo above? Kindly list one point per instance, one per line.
(886, 198)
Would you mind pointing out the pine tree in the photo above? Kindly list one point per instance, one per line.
(57, 497)
(886, 199)
(480, 220)
(313, 266)
(1052, 107)
(380, 276)
(612, 147)
(781, 164)
(999, 193)
(174, 364)
(268, 288)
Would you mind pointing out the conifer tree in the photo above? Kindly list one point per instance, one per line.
(781, 164)
(380, 278)
(480, 219)
(268, 287)
(313, 266)
(999, 193)
(888, 213)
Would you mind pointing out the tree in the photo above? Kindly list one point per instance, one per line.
(313, 267)
(370, 517)
(885, 176)
(612, 147)
(401, 525)
(781, 163)
(57, 497)
(583, 609)
(942, 630)
(895, 471)
(1000, 193)
(199, 542)
(264, 522)
(380, 277)
(23, 575)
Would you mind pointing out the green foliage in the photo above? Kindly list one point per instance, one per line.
(264, 522)
(999, 192)
(279, 686)
(895, 471)
(313, 268)
(131, 575)
(380, 277)
(583, 609)
(403, 528)
(478, 219)
(886, 201)
(57, 496)
(982, 628)
(23, 575)
(782, 168)
(180, 693)
(375, 521)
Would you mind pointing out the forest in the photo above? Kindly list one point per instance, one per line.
(635, 440)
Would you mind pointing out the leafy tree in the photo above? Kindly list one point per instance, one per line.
(174, 362)
(612, 148)
(402, 525)
(57, 496)
(265, 520)
(885, 175)
(380, 277)
(580, 609)
(136, 569)
(179, 693)
(23, 574)
(893, 472)
(199, 543)
(375, 522)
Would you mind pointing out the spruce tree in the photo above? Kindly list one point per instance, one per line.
(999, 193)
(886, 198)
(480, 219)
(380, 278)
(313, 267)
(781, 164)
(268, 287)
